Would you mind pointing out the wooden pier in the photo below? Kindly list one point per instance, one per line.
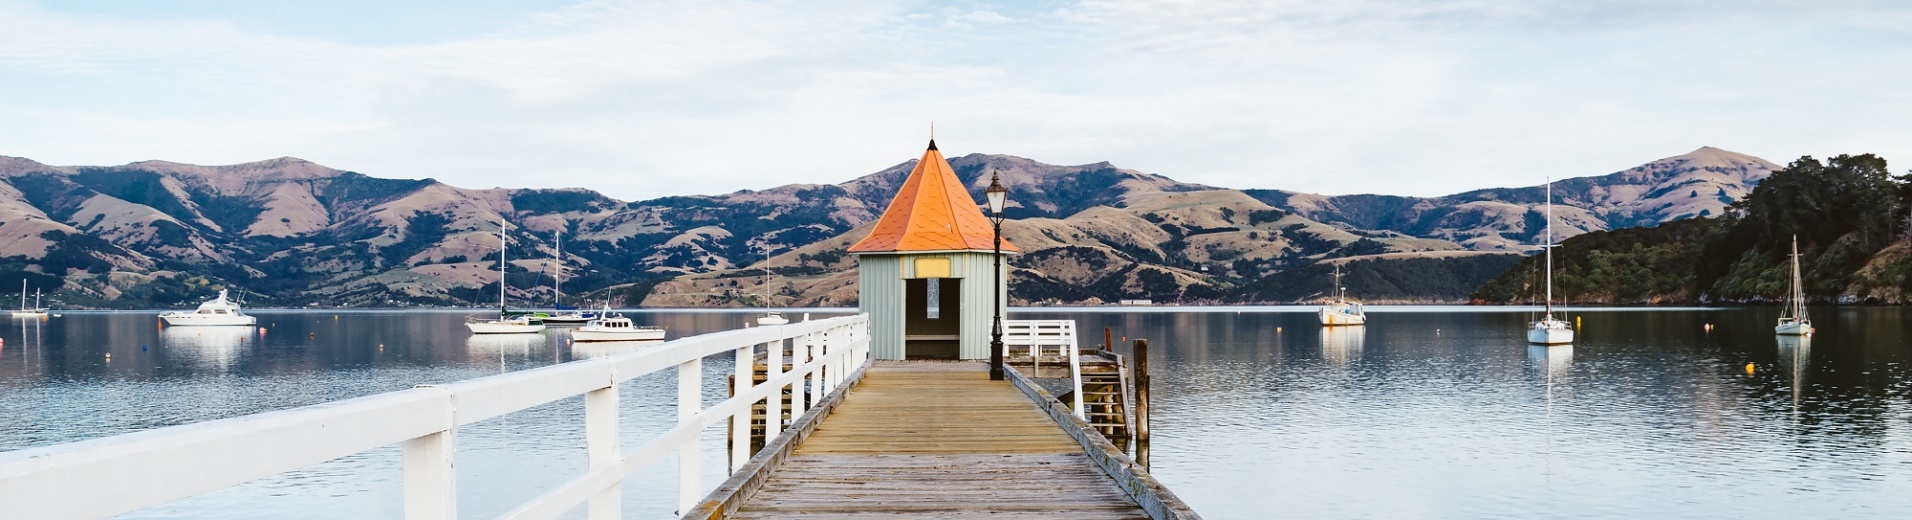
(939, 439)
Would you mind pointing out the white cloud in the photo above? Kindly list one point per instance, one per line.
(648, 98)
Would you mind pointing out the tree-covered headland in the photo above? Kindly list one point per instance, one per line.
(1849, 213)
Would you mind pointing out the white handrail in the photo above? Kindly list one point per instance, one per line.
(1036, 334)
(128, 472)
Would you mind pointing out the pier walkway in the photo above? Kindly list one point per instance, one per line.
(938, 439)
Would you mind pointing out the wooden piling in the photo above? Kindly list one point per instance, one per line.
(1140, 361)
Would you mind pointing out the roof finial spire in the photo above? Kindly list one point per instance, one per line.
(932, 135)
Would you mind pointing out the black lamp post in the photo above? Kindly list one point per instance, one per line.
(997, 196)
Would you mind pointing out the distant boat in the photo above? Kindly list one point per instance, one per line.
(1549, 331)
(506, 322)
(1340, 311)
(615, 327)
(215, 312)
(769, 317)
(1793, 321)
(29, 312)
(563, 315)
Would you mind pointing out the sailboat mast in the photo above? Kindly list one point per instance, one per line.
(501, 267)
(1549, 248)
(23, 293)
(557, 277)
(1798, 293)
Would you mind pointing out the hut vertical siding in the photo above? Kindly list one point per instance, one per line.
(978, 272)
(880, 295)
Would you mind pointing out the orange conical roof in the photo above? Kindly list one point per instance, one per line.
(932, 212)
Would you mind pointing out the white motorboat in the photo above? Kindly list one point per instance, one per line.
(1549, 330)
(1793, 321)
(216, 312)
(1340, 310)
(505, 323)
(772, 318)
(29, 312)
(616, 327)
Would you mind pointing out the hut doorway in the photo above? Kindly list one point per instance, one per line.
(932, 318)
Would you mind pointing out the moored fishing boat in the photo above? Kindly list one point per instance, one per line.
(1341, 310)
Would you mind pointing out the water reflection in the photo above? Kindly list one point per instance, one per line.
(1551, 361)
(1795, 353)
(213, 347)
(597, 349)
(505, 347)
(1342, 345)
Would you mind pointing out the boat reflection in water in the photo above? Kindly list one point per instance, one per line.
(1342, 345)
(1552, 362)
(596, 349)
(210, 346)
(504, 345)
(1795, 353)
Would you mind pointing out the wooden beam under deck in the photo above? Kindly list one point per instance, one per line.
(938, 439)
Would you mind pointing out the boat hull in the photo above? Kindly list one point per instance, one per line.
(1550, 335)
(505, 328)
(29, 314)
(1794, 328)
(567, 320)
(208, 320)
(1335, 318)
(585, 334)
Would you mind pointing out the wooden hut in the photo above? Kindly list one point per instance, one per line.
(926, 271)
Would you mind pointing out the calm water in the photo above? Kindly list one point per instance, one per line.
(1427, 413)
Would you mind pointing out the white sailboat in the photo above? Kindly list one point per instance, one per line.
(561, 315)
(36, 311)
(616, 327)
(1340, 311)
(504, 323)
(1549, 331)
(215, 312)
(769, 317)
(1793, 321)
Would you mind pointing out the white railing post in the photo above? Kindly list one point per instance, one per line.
(690, 401)
(799, 353)
(431, 476)
(740, 423)
(601, 443)
(773, 401)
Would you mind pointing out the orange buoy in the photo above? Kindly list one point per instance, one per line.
(1749, 369)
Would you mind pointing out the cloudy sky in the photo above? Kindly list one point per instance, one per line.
(641, 99)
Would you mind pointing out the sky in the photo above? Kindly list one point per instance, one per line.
(642, 99)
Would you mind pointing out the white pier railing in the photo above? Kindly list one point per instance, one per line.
(113, 475)
(1036, 335)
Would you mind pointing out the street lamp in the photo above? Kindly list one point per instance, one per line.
(997, 196)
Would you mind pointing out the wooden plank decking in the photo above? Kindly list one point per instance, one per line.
(938, 440)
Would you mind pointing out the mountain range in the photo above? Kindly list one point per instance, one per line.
(289, 232)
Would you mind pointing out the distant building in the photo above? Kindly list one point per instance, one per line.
(926, 271)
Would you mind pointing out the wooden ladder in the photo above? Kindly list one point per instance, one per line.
(1105, 402)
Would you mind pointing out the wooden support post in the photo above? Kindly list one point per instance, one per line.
(690, 401)
(601, 444)
(1140, 360)
(1108, 341)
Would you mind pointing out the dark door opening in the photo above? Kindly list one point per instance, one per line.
(932, 318)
